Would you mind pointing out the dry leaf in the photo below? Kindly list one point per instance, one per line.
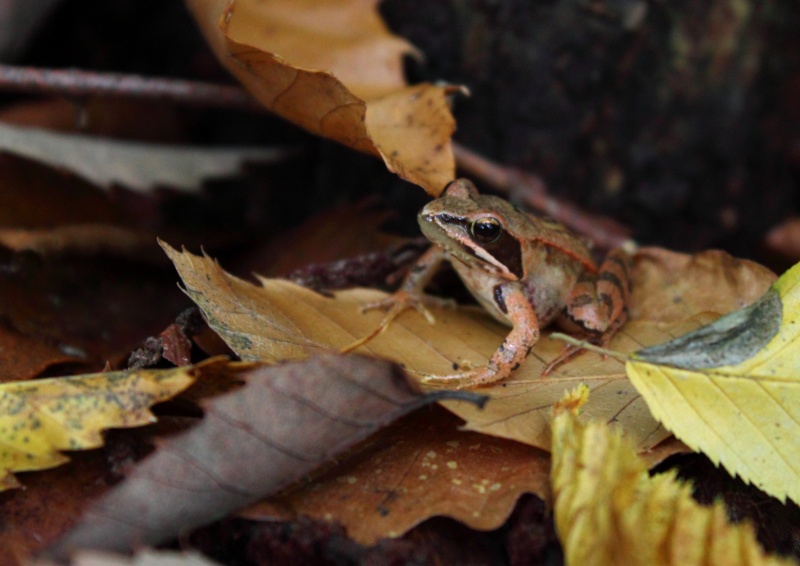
(341, 232)
(49, 504)
(420, 467)
(286, 421)
(40, 418)
(670, 286)
(137, 166)
(281, 321)
(732, 389)
(22, 357)
(609, 511)
(333, 69)
(81, 239)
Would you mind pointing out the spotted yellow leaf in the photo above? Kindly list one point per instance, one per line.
(732, 389)
(41, 417)
(609, 511)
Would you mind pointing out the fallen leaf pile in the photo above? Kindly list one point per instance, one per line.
(94, 332)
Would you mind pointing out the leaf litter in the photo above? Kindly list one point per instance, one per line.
(278, 320)
(287, 421)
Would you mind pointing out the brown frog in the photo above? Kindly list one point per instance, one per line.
(525, 270)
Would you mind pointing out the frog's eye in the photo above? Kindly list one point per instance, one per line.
(486, 230)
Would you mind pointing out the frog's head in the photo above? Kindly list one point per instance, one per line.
(480, 230)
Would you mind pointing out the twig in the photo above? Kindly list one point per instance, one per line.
(589, 346)
(531, 189)
(78, 83)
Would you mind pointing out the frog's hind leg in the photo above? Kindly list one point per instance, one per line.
(597, 306)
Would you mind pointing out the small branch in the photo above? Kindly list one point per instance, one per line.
(532, 190)
(77, 83)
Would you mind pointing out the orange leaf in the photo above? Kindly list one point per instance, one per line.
(333, 69)
(421, 467)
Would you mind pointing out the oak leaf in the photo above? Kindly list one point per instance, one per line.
(282, 424)
(334, 69)
(608, 510)
(40, 418)
(420, 467)
(732, 389)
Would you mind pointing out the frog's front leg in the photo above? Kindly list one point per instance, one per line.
(598, 305)
(510, 299)
(411, 293)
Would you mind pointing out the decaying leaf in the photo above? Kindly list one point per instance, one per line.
(670, 286)
(80, 239)
(732, 389)
(609, 511)
(22, 357)
(134, 165)
(286, 421)
(334, 69)
(281, 321)
(40, 418)
(422, 466)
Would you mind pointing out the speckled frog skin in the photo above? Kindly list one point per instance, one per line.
(526, 271)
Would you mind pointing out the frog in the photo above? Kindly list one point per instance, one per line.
(526, 271)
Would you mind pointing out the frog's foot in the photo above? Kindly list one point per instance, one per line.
(394, 305)
(401, 300)
(473, 378)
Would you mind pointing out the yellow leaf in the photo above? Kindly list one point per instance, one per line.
(40, 417)
(334, 69)
(609, 511)
(732, 389)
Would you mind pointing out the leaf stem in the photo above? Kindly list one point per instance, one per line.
(589, 346)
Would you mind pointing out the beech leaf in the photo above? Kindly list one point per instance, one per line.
(39, 418)
(334, 69)
(286, 421)
(420, 467)
(608, 510)
(732, 389)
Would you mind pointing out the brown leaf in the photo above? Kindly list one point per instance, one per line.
(90, 310)
(81, 239)
(334, 69)
(177, 348)
(670, 286)
(49, 504)
(22, 357)
(420, 467)
(37, 196)
(333, 234)
(280, 321)
(285, 422)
